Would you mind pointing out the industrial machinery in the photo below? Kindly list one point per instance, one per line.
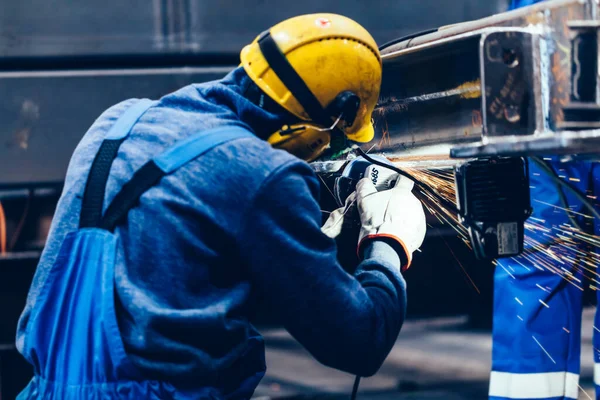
(479, 96)
(519, 83)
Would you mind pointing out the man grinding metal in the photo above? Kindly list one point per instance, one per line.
(178, 214)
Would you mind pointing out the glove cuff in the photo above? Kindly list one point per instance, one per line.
(396, 243)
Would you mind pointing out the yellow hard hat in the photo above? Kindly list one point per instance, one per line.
(323, 68)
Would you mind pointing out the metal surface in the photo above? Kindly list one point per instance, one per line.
(45, 114)
(62, 62)
(39, 28)
(425, 103)
(433, 95)
(499, 85)
(503, 85)
(585, 143)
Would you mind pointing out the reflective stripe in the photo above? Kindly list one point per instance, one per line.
(535, 386)
(597, 374)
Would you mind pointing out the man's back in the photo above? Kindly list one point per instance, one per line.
(240, 221)
(182, 295)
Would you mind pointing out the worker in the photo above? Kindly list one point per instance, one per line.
(537, 313)
(178, 215)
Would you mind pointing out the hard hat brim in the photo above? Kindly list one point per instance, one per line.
(364, 135)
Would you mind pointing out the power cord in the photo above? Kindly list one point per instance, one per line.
(562, 184)
(561, 192)
(407, 37)
(355, 387)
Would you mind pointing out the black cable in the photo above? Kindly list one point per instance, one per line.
(355, 387)
(407, 37)
(564, 184)
(447, 204)
(561, 193)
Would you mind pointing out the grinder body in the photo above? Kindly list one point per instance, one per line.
(493, 203)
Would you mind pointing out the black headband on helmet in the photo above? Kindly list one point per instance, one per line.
(345, 103)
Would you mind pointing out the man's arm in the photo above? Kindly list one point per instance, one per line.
(346, 322)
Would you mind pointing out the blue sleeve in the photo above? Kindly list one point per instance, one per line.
(346, 322)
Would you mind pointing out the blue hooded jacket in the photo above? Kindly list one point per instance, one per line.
(238, 224)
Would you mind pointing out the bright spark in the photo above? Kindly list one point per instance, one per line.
(563, 209)
(543, 288)
(507, 271)
(542, 347)
(518, 301)
(560, 249)
(584, 392)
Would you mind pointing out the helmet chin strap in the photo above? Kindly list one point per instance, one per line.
(307, 140)
(293, 128)
(332, 127)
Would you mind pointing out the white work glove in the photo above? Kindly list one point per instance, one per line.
(393, 215)
(335, 222)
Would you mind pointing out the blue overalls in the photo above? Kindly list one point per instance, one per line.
(73, 340)
(537, 313)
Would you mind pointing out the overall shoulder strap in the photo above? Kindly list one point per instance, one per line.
(93, 196)
(165, 163)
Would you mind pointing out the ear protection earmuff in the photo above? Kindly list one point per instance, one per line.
(306, 139)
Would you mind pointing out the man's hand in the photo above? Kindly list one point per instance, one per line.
(393, 215)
